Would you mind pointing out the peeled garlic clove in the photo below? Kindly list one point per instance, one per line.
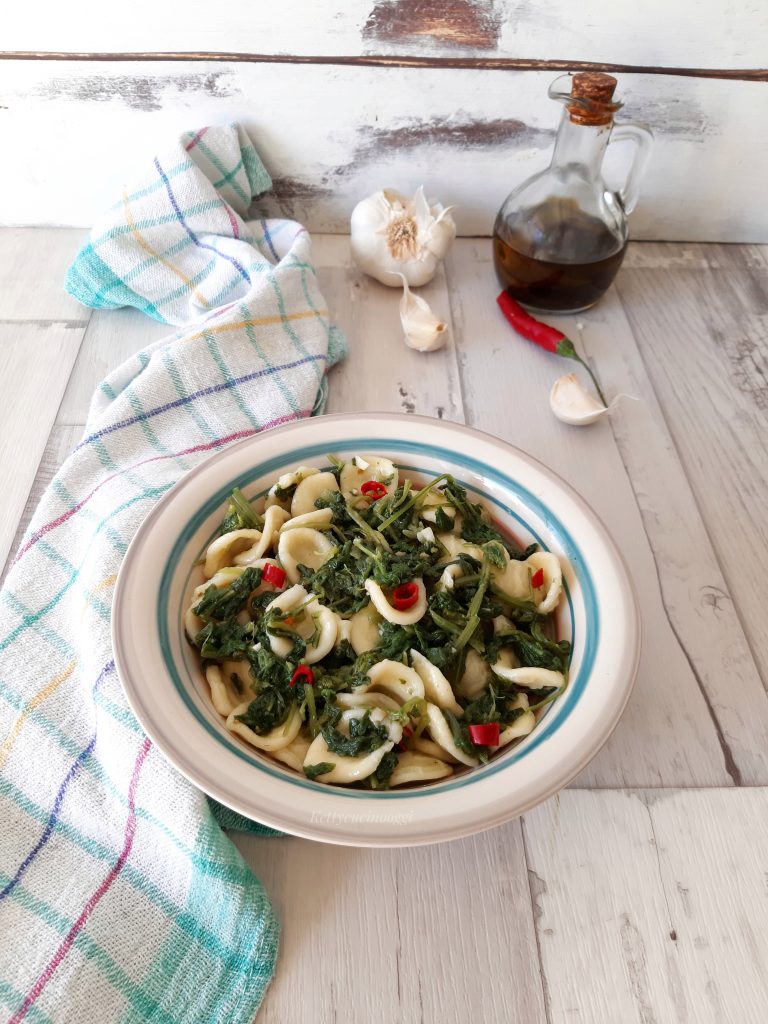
(422, 329)
(573, 404)
(391, 234)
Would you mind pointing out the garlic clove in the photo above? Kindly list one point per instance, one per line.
(573, 404)
(421, 328)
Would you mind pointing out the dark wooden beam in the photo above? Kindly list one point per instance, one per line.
(376, 61)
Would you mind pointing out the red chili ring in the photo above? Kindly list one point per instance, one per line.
(373, 489)
(303, 674)
(537, 580)
(405, 596)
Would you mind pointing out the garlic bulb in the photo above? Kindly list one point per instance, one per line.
(573, 404)
(422, 329)
(391, 234)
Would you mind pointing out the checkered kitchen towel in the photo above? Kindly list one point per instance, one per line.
(121, 900)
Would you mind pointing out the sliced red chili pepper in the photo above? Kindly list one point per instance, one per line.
(485, 735)
(537, 580)
(273, 574)
(373, 489)
(405, 596)
(303, 674)
(542, 335)
(407, 730)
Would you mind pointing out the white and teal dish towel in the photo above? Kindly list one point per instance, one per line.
(121, 899)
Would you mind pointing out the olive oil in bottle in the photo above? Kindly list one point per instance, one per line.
(560, 237)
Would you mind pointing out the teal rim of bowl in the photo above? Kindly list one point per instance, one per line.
(544, 730)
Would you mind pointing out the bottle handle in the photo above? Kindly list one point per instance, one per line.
(643, 140)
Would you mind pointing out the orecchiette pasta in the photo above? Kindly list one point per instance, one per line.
(303, 547)
(398, 617)
(315, 626)
(310, 490)
(346, 768)
(359, 471)
(362, 627)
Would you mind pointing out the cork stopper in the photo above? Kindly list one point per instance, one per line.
(594, 92)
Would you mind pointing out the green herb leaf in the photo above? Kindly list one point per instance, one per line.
(240, 514)
(313, 770)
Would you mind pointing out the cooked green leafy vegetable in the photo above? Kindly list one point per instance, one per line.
(220, 603)
(391, 541)
(364, 737)
(240, 514)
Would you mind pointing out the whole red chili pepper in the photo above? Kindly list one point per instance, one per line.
(542, 335)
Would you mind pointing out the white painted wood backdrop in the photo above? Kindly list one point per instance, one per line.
(72, 131)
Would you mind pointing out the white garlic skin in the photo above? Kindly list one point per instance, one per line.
(422, 330)
(391, 234)
(573, 404)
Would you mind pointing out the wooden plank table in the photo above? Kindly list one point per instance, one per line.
(638, 894)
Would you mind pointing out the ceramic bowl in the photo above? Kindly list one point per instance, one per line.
(168, 692)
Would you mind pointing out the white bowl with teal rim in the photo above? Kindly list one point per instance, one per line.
(167, 690)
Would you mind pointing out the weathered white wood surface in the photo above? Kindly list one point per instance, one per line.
(37, 359)
(696, 33)
(704, 332)
(619, 902)
(669, 734)
(331, 135)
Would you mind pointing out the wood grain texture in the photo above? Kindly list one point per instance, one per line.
(380, 373)
(693, 591)
(712, 860)
(33, 263)
(666, 736)
(442, 933)
(646, 905)
(37, 361)
(330, 135)
(702, 334)
(694, 32)
(390, 61)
